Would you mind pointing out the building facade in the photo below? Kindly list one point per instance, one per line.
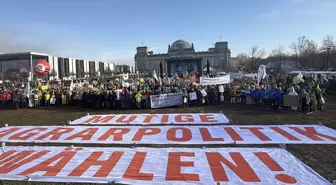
(125, 69)
(61, 67)
(182, 51)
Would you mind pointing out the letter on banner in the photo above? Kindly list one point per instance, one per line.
(175, 165)
(151, 119)
(152, 166)
(257, 134)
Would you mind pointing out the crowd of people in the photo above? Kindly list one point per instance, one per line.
(135, 93)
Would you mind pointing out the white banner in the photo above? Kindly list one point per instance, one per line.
(152, 166)
(215, 81)
(166, 100)
(147, 119)
(184, 135)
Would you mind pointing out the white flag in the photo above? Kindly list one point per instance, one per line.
(300, 75)
(261, 73)
(29, 77)
(125, 84)
(154, 75)
(160, 81)
(27, 90)
(72, 86)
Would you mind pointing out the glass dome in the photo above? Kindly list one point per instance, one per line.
(180, 45)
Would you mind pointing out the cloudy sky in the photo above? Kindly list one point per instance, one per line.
(112, 29)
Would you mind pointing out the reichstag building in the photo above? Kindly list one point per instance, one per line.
(182, 57)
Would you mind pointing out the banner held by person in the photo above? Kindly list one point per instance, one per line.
(145, 119)
(184, 135)
(152, 166)
(166, 100)
(215, 81)
(193, 96)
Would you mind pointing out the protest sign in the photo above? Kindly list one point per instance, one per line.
(152, 166)
(193, 96)
(166, 100)
(221, 89)
(181, 118)
(215, 81)
(204, 93)
(289, 134)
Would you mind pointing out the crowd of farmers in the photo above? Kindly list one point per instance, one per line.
(135, 93)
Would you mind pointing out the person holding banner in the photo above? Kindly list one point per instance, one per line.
(193, 97)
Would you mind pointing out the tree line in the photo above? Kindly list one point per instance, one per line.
(303, 54)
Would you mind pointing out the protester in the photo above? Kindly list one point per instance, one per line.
(135, 93)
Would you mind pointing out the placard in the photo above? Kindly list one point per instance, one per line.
(291, 101)
(193, 96)
(166, 100)
(152, 166)
(204, 93)
(146, 119)
(184, 135)
(220, 89)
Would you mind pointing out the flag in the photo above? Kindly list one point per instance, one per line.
(300, 75)
(72, 86)
(154, 75)
(29, 77)
(160, 81)
(125, 84)
(27, 90)
(261, 73)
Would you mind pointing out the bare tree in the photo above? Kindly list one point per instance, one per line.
(256, 55)
(329, 42)
(328, 49)
(278, 54)
(279, 51)
(300, 49)
(242, 61)
(312, 55)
